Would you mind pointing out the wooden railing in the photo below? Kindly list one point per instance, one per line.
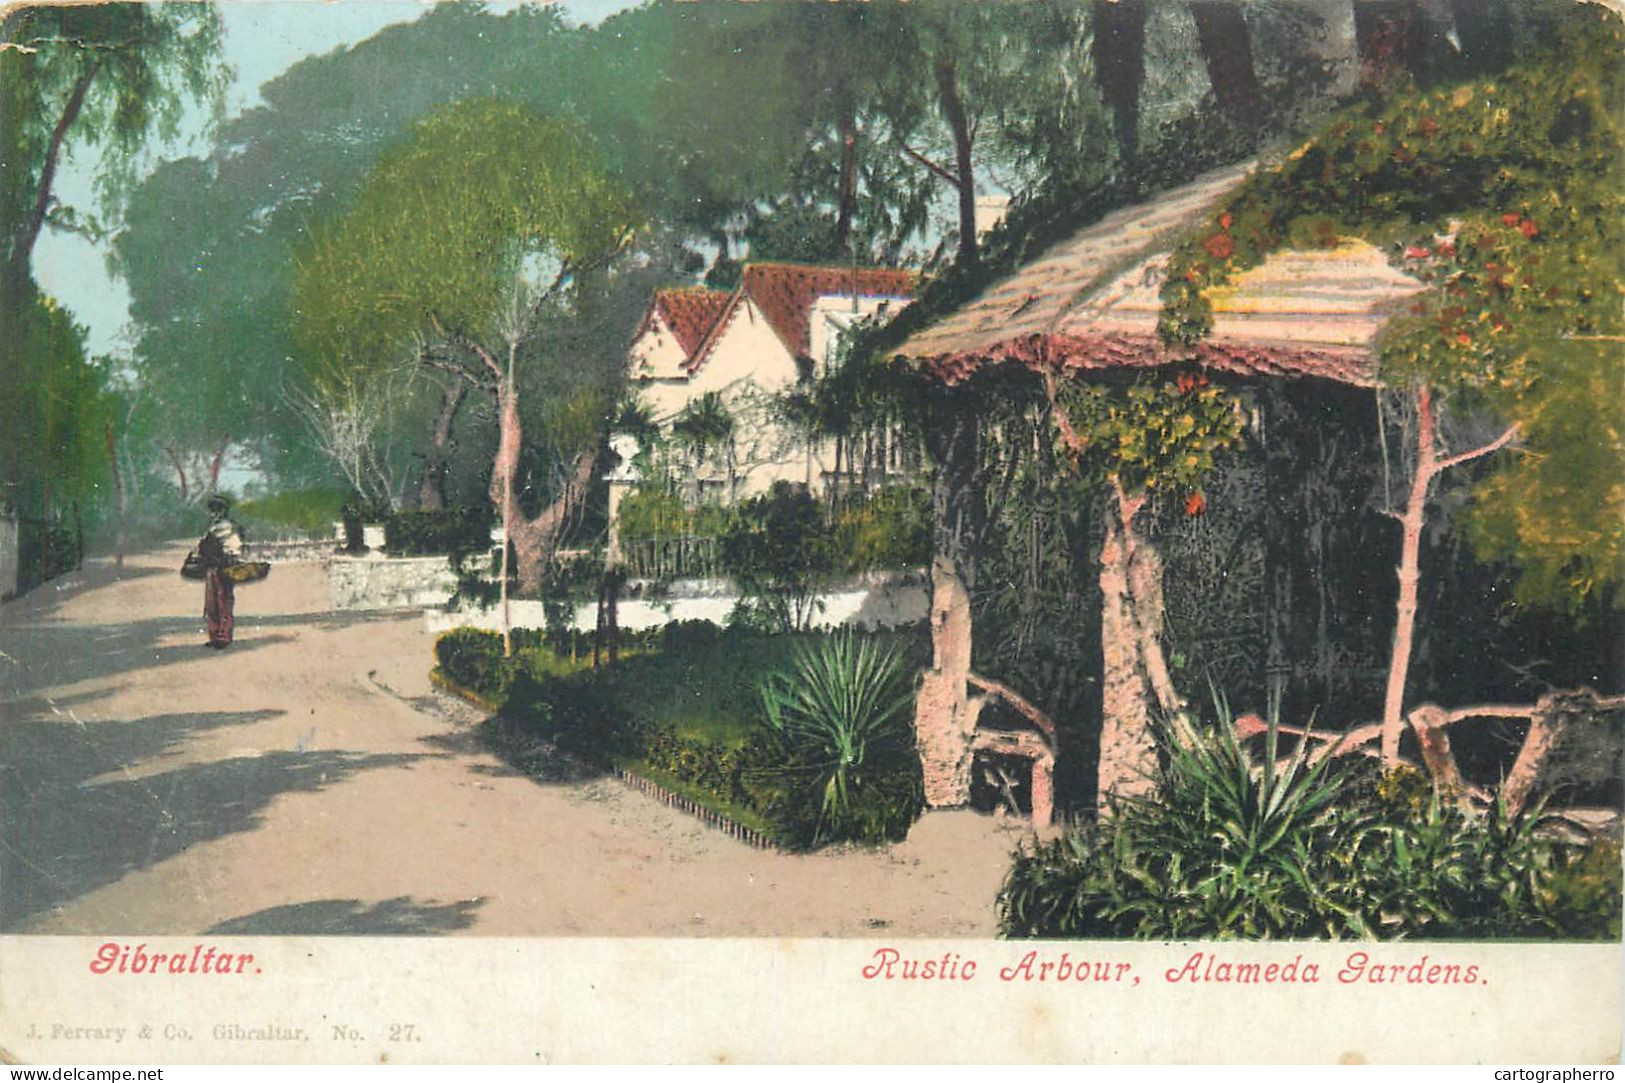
(678, 557)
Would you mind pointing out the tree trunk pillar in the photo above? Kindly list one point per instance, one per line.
(944, 713)
(1128, 749)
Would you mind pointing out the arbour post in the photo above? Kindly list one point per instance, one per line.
(944, 714)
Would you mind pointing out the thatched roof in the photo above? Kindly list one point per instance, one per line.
(1091, 302)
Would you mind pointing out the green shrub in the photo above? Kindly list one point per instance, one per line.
(892, 529)
(297, 509)
(1232, 848)
(779, 553)
(472, 658)
(839, 719)
(656, 513)
(431, 533)
(46, 551)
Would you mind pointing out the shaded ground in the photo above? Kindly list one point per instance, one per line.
(308, 781)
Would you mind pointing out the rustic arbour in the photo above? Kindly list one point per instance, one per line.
(1293, 340)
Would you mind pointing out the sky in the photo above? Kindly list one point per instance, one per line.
(263, 38)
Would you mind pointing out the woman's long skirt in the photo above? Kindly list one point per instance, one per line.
(219, 597)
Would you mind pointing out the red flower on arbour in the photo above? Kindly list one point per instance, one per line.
(1225, 220)
(1416, 251)
(1446, 250)
(1220, 246)
(1427, 126)
(1195, 504)
(1510, 219)
(1527, 227)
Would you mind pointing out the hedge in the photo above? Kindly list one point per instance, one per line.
(431, 533)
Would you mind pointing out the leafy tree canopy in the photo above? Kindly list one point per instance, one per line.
(446, 224)
(103, 75)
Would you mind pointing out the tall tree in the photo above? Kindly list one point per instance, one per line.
(103, 76)
(1227, 52)
(106, 75)
(209, 243)
(1119, 56)
(443, 260)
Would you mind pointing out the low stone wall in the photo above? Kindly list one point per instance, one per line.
(874, 601)
(290, 551)
(378, 582)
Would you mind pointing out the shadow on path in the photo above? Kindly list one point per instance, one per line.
(350, 917)
(49, 654)
(63, 835)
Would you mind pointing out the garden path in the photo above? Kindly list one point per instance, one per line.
(308, 781)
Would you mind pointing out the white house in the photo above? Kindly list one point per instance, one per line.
(747, 346)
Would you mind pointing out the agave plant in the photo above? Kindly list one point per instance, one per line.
(839, 712)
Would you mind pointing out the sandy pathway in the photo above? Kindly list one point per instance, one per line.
(309, 781)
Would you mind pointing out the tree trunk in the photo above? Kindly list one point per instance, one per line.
(1411, 521)
(1119, 55)
(953, 109)
(535, 540)
(1228, 54)
(180, 469)
(1409, 572)
(1429, 724)
(944, 713)
(22, 247)
(847, 204)
(1128, 623)
(122, 499)
(432, 486)
(214, 464)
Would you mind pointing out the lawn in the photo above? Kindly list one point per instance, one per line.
(682, 707)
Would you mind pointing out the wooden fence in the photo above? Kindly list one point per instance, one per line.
(681, 557)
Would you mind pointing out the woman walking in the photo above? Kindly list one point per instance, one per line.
(219, 549)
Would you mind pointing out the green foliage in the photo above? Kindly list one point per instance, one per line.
(45, 551)
(516, 185)
(1161, 436)
(454, 531)
(1504, 196)
(133, 68)
(301, 509)
(1230, 847)
(779, 553)
(472, 658)
(841, 716)
(891, 529)
(55, 413)
(704, 424)
(208, 249)
(656, 513)
(685, 706)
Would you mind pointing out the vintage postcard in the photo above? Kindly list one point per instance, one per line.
(1050, 531)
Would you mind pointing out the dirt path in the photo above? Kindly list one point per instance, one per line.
(309, 781)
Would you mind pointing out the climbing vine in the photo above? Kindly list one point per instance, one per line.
(1505, 197)
(1160, 436)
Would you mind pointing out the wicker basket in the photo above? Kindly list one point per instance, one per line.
(249, 571)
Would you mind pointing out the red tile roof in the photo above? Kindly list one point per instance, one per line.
(785, 293)
(1105, 352)
(690, 313)
(1091, 302)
